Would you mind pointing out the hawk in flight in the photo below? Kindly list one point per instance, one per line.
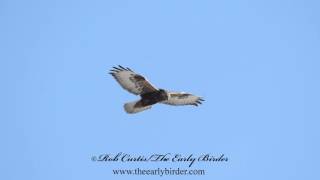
(149, 94)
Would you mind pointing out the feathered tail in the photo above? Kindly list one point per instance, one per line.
(133, 107)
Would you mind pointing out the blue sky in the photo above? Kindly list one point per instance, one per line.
(255, 62)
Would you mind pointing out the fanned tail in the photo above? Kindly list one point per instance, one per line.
(132, 107)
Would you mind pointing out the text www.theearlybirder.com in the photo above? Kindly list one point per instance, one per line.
(159, 172)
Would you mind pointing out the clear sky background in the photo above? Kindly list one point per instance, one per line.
(255, 62)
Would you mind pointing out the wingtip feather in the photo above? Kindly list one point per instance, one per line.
(122, 67)
(117, 68)
(129, 69)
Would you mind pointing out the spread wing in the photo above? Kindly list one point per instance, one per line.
(132, 81)
(176, 98)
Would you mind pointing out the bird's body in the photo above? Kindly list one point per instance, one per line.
(149, 94)
(152, 98)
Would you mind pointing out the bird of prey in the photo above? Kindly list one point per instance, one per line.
(150, 95)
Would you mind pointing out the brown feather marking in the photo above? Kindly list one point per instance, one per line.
(139, 77)
(138, 104)
(142, 82)
(183, 96)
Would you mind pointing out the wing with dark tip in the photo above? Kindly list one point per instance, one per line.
(181, 98)
(132, 81)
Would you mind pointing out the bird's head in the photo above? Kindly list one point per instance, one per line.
(163, 94)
